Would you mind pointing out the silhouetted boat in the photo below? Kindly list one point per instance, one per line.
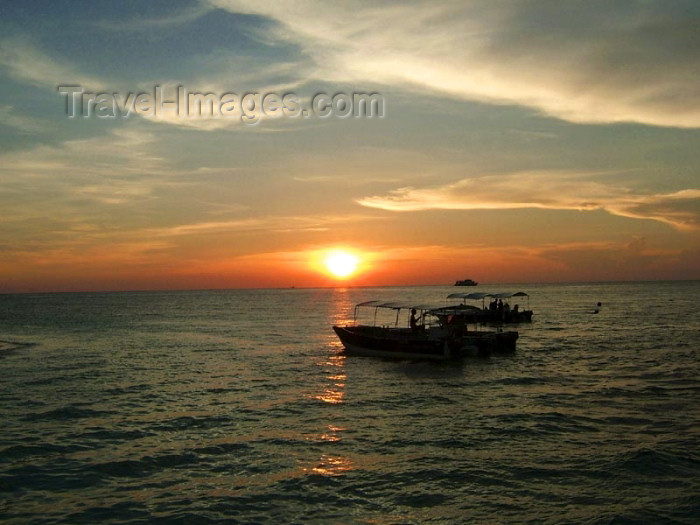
(466, 282)
(440, 334)
(494, 313)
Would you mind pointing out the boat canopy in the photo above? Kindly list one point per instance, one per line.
(454, 310)
(483, 295)
(506, 295)
(475, 295)
(397, 305)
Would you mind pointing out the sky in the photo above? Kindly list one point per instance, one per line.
(516, 141)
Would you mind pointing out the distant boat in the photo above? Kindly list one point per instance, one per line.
(466, 282)
(441, 333)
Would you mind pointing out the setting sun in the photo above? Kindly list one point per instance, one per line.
(341, 264)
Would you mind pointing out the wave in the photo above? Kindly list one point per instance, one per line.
(8, 348)
(66, 413)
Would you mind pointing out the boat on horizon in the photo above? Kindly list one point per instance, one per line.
(466, 282)
(438, 333)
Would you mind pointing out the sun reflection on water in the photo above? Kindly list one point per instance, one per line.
(333, 434)
(331, 466)
(331, 391)
(342, 308)
(334, 392)
(330, 396)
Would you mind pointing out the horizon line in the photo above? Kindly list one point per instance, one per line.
(292, 287)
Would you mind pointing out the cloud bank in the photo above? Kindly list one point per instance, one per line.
(546, 190)
(588, 62)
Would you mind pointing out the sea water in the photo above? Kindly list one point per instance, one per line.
(238, 407)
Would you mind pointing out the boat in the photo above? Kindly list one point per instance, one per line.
(499, 310)
(440, 333)
(466, 282)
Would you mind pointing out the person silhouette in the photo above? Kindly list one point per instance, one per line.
(413, 321)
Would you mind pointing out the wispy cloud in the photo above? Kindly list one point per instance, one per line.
(269, 223)
(50, 188)
(122, 151)
(171, 20)
(22, 123)
(680, 209)
(546, 190)
(592, 61)
(25, 62)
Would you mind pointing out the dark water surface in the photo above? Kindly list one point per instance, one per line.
(235, 406)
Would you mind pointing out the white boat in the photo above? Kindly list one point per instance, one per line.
(438, 333)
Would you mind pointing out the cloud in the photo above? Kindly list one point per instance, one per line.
(213, 114)
(680, 209)
(123, 151)
(592, 62)
(269, 224)
(27, 63)
(171, 20)
(546, 190)
(56, 188)
(21, 123)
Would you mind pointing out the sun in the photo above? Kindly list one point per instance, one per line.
(341, 264)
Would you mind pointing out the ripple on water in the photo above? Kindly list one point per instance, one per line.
(203, 412)
(66, 413)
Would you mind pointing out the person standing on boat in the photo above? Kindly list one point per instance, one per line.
(414, 321)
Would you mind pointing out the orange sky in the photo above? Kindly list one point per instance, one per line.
(397, 266)
(519, 143)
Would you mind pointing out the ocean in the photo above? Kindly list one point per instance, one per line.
(237, 406)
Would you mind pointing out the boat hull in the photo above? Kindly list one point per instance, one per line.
(408, 344)
(488, 316)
